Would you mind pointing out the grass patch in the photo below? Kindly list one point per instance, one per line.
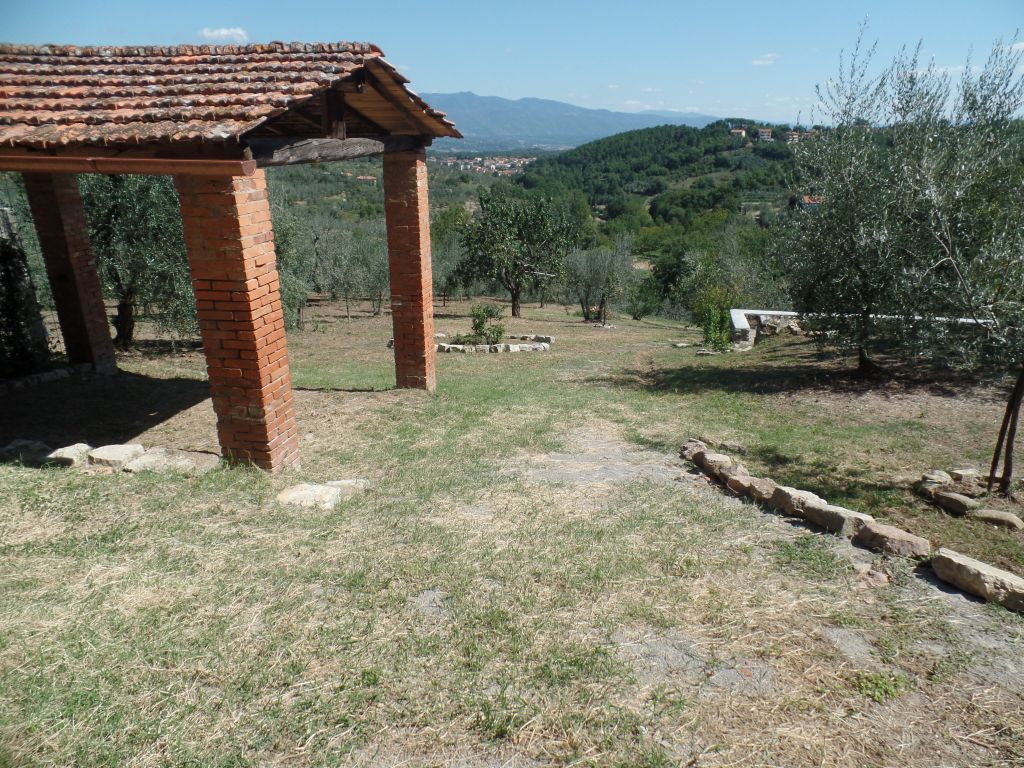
(196, 621)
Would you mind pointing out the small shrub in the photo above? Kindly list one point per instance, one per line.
(711, 312)
(880, 686)
(485, 328)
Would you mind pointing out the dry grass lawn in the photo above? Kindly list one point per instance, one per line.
(534, 579)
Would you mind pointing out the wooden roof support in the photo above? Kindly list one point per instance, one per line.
(268, 152)
(115, 165)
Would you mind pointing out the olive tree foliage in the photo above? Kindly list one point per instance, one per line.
(446, 249)
(323, 252)
(136, 235)
(595, 277)
(917, 236)
(519, 240)
(23, 346)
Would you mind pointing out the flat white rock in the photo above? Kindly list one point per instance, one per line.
(115, 456)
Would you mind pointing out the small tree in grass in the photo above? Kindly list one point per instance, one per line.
(597, 276)
(519, 240)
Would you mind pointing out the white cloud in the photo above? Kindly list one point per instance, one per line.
(224, 34)
(613, 87)
(650, 90)
(1017, 47)
(765, 60)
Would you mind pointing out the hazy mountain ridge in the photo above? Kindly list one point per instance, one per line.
(492, 123)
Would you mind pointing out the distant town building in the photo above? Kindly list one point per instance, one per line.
(739, 132)
(792, 137)
(498, 165)
(764, 134)
(809, 202)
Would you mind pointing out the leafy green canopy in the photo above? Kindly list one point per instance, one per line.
(919, 209)
(136, 234)
(521, 240)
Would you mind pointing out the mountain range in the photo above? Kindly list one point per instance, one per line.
(493, 124)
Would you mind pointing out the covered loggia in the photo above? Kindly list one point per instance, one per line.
(213, 117)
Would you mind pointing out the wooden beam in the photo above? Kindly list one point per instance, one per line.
(269, 152)
(347, 106)
(411, 112)
(115, 165)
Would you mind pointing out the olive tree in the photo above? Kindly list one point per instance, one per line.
(136, 234)
(596, 276)
(520, 240)
(914, 233)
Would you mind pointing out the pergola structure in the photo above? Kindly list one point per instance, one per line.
(213, 117)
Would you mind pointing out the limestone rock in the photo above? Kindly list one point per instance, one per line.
(792, 501)
(691, 447)
(891, 540)
(514, 347)
(76, 455)
(966, 475)
(680, 345)
(115, 456)
(715, 463)
(956, 503)
(171, 460)
(836, 519)
(311, 495)
(936, 476)
(739, 483)
(705, 352)
(349, 487)
(762, 489)
(998, 517)
(978, 578)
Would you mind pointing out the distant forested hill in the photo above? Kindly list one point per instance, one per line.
(494, 124)
(680, 170)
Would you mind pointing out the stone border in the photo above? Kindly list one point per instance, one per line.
(32, 380)
(127, 457)
(966, 574)
(535, 343)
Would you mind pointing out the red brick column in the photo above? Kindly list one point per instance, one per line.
(412, 300)
(230, 243)
(64, 237)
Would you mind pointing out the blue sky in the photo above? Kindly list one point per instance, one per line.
(737, 58)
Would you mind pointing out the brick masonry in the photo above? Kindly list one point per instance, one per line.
(412, 310)
(56, 205)
(230, 243)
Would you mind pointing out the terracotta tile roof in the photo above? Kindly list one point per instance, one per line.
(62, 96)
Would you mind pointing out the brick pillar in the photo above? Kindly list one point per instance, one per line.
(230, 243)
(412, 300)
(64, 238)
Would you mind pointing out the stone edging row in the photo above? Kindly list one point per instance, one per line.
(535, 343)
(963, 572)
(42, 378)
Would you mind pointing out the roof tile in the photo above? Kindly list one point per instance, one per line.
(66, 95)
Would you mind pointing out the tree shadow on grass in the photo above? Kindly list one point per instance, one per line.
(98, 410)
